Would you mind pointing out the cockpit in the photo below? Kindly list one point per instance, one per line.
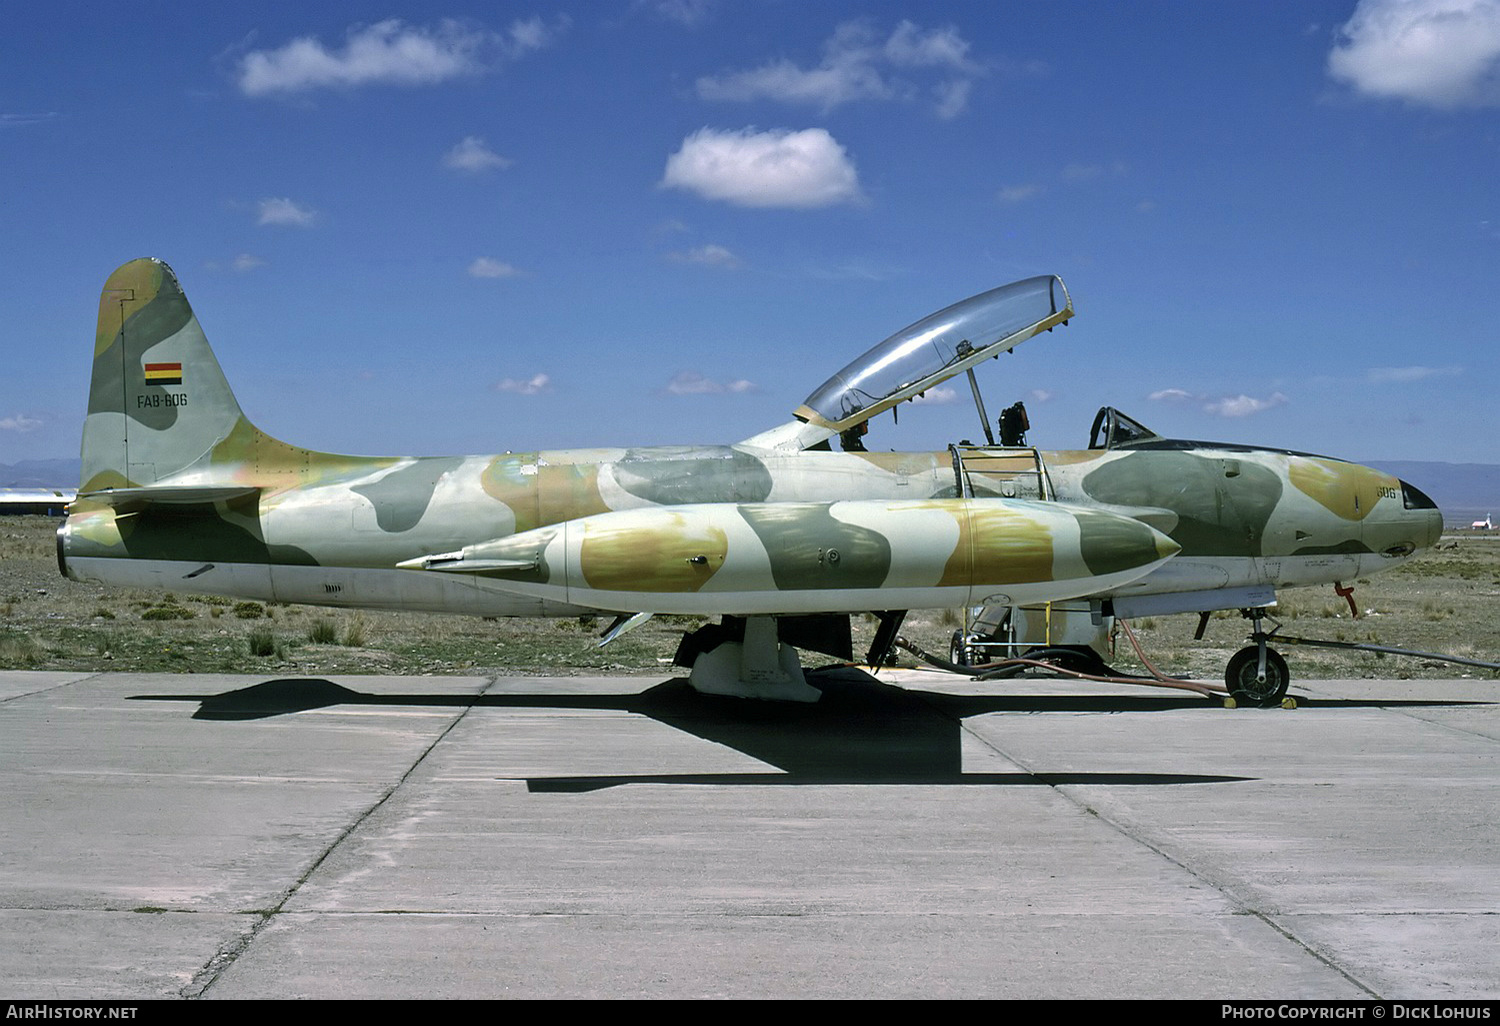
(1113, 429)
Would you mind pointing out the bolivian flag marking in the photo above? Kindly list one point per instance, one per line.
(163, 373)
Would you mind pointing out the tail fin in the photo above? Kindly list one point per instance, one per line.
(158, 404)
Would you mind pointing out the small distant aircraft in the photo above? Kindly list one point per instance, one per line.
(780, 535)
(49, 501)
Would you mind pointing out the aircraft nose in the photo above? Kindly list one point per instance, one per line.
(1423, 514)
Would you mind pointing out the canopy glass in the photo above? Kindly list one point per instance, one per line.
(936, 348)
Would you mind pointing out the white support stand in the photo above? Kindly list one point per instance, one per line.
(762, 667)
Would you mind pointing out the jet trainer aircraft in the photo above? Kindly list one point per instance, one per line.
(780, 535)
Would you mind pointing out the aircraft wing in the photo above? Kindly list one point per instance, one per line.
(34, 500)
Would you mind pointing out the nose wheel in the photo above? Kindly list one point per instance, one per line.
(1246, 683)
(1257, 675)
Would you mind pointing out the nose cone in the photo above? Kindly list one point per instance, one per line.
(1422, 515)
(1401, 525)
(1111, 543)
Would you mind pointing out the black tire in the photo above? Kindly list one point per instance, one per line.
(958, 652)
(1240, 676)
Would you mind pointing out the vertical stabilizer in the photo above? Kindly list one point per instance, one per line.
(158, 402)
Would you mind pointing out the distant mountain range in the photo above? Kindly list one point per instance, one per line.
(40, 474)
(1465, 491)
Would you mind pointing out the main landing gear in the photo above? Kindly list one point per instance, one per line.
(1257, 675)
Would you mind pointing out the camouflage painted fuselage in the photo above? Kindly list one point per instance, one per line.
(334, 534)
(181, 491)
(332, 530)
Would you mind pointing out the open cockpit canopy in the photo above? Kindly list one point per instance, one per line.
(936, 348)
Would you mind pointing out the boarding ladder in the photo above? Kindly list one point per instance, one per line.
(990, 471)
(994, 471)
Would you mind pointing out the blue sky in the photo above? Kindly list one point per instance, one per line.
(472, 227)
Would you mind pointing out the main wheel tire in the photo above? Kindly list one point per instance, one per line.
(958, 651)
(1240, 675)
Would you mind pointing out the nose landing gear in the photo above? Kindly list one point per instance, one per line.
(1257, 675)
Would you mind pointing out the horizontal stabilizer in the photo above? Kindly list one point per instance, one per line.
(170, 495)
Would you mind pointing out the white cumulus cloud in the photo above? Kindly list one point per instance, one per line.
(693, 383)
(485, 267)
(532, 34)
(388, 51)
(20, 423)
(1402, 375)
(534, 385)
(1243, 405)
(247, 262)
(858, 65)
(1441, 53)
(940, 396)
(1220, 406)
(777, 168)
(473, 156)
(391, 52)
(952, 98)
(282, 211)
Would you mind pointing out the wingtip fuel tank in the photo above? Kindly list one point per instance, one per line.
(750, 559)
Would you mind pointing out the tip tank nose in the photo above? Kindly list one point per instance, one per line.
(1111, 543)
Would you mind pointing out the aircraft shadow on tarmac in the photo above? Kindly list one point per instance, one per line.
(863, 731)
